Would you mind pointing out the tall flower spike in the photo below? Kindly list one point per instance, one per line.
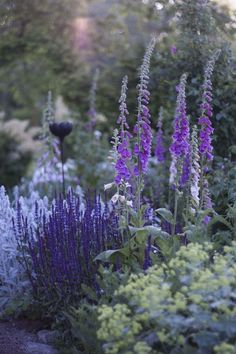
(160, 150)
(195, 170)
(180, 146)
(205, 147)
(142, 129)
(207, 203)
(123, 152)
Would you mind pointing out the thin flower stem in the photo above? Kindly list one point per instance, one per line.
(62, 168)
(175, 213)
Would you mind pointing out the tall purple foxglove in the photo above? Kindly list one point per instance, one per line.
(142, 129)
(180, 147)
(206, 130)
(123, 150)
(160, 150)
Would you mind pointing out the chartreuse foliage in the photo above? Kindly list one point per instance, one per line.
(184, 306)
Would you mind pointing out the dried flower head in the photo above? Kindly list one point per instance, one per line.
(61, 130)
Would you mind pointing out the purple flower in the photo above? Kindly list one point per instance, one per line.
(185, 170)
(206, 130)
(142, 129)
(123, 151)
(160, 150)
(173, 49)
(61, 247)
(180, 147)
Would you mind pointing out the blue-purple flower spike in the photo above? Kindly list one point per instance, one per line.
(180, 147)
(206, 130)
(160, 150)
(142, 129)
(124, 153)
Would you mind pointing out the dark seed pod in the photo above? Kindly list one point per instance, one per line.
(61, 130)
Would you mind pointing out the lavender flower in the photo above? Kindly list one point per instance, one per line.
(123, 152)
(180, 147)
(142, 129)
(205, 147)
(160, 150)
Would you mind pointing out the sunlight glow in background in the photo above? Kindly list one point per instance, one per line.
(231, 3)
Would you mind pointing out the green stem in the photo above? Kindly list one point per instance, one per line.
(175, 212)
(62, 169)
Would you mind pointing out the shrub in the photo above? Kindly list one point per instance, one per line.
(184, 306)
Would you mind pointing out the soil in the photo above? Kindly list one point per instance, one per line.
(15, 334)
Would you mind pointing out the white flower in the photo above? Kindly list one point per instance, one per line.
(129, 203)
(195, 170)
(115, 198)
(122, 198)
(97, 134)
(108, 186)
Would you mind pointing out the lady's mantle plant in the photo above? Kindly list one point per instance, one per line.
(171, 310)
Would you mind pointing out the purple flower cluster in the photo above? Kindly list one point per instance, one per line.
(180, 137)
(180, 147)
(62, 247)
(205, 136)
(123, 151)
(142, 129)
(160, 150)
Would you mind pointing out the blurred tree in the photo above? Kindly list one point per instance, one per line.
(35, 51)
(197, 29)
(58, 44)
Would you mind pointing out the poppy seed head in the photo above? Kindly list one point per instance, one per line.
(61, 130)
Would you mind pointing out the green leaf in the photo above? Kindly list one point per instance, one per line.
(166, 214)
(106, 255)
(220, 219)
(150, 230)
